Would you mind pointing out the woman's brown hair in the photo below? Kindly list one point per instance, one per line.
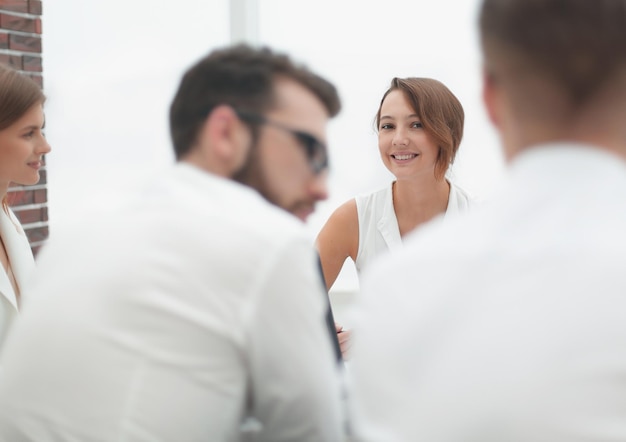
(18, 93)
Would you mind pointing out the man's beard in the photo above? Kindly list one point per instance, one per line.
(251, 174)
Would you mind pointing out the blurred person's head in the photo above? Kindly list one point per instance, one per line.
(22, 143)
(420, 126)
(554, 69)
(255, 116)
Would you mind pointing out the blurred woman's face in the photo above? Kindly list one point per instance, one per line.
(22, 147)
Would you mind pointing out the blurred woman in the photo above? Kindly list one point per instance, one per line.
(22, 147)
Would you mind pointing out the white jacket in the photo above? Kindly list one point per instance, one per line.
(22, 264)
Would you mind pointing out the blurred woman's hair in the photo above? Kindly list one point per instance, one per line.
(18, 93)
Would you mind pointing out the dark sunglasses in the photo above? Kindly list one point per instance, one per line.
(316, 151)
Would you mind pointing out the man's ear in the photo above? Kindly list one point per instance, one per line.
(490, 97)
(498, 106)
(223, 142)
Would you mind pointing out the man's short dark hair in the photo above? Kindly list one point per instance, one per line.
(242, 77)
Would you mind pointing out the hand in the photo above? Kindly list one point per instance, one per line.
(345, 341)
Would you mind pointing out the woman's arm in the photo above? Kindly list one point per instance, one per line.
(338, 240)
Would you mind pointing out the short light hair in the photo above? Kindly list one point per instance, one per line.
(577, 46)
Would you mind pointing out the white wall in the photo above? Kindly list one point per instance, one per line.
(110, 71)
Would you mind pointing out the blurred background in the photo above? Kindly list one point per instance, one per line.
(111, 69)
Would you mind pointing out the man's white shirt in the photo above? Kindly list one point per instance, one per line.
(194, 309)
(506, 324)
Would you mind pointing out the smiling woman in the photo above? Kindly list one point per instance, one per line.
(420, 127)
(22, 146)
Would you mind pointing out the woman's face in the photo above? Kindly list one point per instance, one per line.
(405, 147)
(22, 147)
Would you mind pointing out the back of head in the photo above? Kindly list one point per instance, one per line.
(18, 93)
(577, 47)
(242, 77)
(439, 111)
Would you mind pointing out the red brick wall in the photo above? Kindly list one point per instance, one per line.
(20, 47)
